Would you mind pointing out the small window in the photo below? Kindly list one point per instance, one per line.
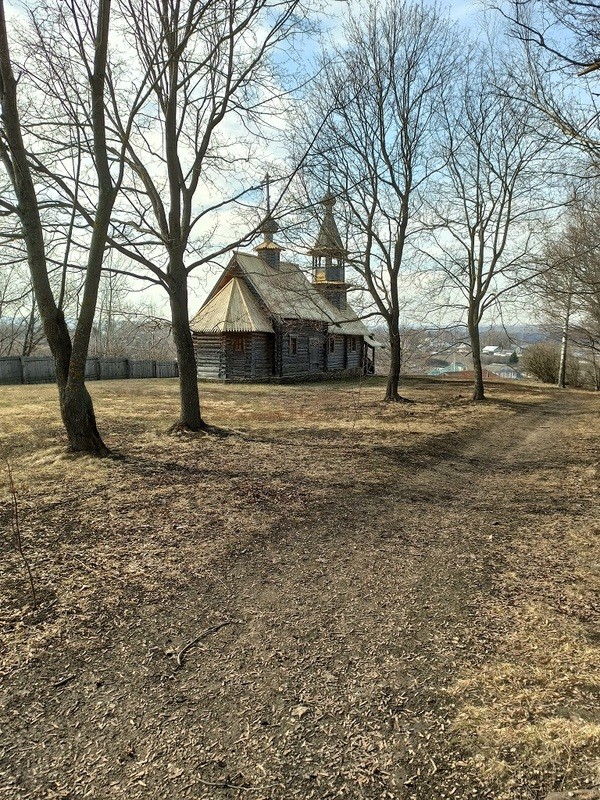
(332, 345)
(238, 343)
(293, 345)
(353, 343)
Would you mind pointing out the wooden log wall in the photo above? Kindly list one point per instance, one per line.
(209, 361)
(335, 359)
(237, 348)
(262, 355)
(310, 347)
(354, 357)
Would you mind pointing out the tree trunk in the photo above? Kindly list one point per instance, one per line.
(562, 367)
(77, 412)
(190, 418)
(478, 388)
(75, 402)
(391, 391)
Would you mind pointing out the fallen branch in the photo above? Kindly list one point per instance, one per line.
(207, 632)
(63, 682)
(223, 785)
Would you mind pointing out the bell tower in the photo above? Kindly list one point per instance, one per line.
(329, 258)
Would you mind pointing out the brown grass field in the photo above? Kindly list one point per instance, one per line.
(393, 602)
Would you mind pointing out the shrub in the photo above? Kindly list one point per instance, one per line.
(543, 360)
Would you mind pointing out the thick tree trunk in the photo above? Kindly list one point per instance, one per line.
(76, 407)
(191, 418)
(391, 391)
(478, 388)
(77, 412)
(75, 402)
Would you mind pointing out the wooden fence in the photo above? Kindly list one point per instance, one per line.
(32, 369)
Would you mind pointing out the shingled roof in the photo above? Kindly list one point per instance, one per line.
(329, 240)
(232, 309)
(285, 292)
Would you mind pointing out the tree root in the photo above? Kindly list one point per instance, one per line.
(397, 399)
(180, 429)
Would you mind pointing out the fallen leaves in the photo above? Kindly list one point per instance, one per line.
(385, 566)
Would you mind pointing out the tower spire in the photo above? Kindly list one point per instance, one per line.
(329, 255)
(268, 250)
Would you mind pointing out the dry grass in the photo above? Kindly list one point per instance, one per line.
(416, 586)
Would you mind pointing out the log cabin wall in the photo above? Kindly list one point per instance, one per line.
(262, 356)
(335, 353)
(238, 356)
(209, 358)
(247, 357)
(302, 348)
(354, 345)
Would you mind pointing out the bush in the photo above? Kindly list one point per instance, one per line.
(543, 361)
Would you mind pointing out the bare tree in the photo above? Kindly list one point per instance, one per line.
(568, 290)
(490, 202)
(566, 29)
(20, 329)
(87, 26)
(215, 99)
(556, 286)
(383, 90)
(126, 323)
(558, 74)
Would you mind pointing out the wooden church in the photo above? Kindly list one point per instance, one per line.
(264, 320)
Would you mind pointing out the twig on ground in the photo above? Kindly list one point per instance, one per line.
(16, 529)
(63, 682)
(224, 785)
(207, 632)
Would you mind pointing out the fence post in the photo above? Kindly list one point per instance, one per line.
(154, 370)
(22, 369)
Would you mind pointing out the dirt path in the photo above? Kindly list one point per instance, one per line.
(372, 630)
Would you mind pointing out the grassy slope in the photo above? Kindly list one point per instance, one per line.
(413, 592)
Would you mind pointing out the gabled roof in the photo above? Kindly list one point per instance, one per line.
(502, 368)
(285, 292)
(232, 309)
(349, 324)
